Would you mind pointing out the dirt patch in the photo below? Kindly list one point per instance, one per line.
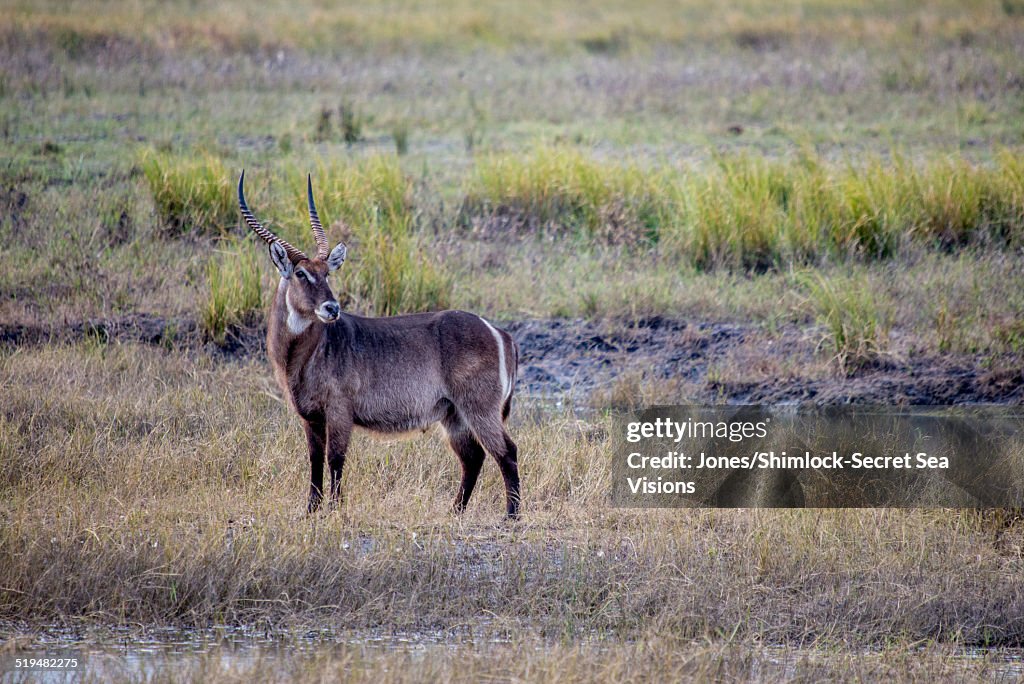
(144, 328)
(173, 334)
(706, 361)
(728, 362)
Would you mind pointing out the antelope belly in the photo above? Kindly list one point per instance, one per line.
(397, 436)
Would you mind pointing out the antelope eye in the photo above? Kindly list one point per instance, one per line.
(301, 275)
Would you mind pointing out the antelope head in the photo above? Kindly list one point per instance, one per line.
(307, 291)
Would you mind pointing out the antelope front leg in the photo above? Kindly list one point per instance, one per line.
(316, 440)
(339, 430)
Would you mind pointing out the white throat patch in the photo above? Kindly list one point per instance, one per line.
(296, 323)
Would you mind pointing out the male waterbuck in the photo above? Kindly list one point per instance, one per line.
(385, 375)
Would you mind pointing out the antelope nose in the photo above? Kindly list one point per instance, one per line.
(332, 310)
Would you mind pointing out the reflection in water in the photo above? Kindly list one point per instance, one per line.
(191, 655)
(156, 653)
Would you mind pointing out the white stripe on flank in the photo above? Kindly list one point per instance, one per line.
(506, 381)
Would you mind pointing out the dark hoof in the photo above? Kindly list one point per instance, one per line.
(314, 505)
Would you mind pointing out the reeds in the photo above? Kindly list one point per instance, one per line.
(191, 194)
(752, 213)
(234, 291)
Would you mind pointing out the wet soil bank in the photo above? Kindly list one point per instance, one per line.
(744, 363)
(683, 360)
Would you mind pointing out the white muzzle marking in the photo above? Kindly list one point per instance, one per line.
(323, 315)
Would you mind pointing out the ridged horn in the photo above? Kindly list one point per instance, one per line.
(322, 249)
(294, 254)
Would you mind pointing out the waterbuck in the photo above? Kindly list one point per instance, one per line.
(389, 375)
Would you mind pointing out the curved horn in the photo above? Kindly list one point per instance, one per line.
(322, 248)
(294, 254)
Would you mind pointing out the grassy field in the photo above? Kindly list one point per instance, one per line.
(840, 180)
(170, 492)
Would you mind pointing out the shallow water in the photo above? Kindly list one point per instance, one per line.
(157, 653)
(129, 654)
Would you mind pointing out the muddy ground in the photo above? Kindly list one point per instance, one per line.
(743, 363)
(596, 362)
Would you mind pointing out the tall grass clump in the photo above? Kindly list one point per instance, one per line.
(345, 190)
(350, 122)
(856, 323)
(862, 211)
(958, 202)
(392, 270)
(561, 191)
(878, 208)
(735, 215)
(368, 204)
(750, 213)
(234, 292)
(191, 194)
(400, 134)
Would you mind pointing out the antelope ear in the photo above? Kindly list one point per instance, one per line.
(280, 258)
(337, 257)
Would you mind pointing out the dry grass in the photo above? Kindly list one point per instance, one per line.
(141, 486)
(668, 176)
(607, 28)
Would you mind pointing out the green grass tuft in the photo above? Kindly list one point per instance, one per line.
(346, 190)
(856, 323)
(559, 190)
(731, 215)
(747, 212)
(234, 292)
(400, 134)
(191, 194)
(351, 123)
(368, 204)
(392, 271)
